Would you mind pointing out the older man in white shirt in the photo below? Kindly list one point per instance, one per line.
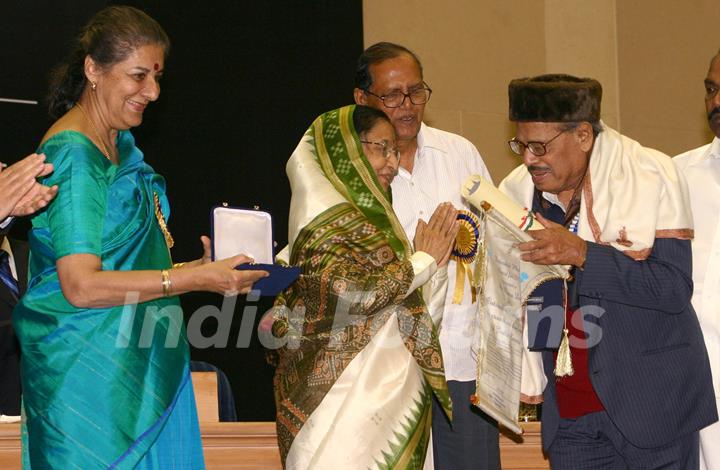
(701, 167)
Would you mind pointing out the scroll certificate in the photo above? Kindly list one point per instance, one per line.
(506, 369)
(477, 190)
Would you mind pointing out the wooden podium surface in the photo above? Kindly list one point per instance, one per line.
(226, 446)
(253, 446)
(523, 452)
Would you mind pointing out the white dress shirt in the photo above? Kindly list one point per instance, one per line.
(701, 168)
(443, 162)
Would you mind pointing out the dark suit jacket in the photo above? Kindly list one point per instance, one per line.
(9, 348)
(650, 368)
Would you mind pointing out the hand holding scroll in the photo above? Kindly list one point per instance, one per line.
(554, 244)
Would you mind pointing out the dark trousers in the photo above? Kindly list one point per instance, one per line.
(9, 370)
(593, 442)
(472, 441)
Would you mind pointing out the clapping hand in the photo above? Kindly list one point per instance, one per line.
(20, 192)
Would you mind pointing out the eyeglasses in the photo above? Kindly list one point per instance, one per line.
(388, 151)
(396, 99)
(536, 148)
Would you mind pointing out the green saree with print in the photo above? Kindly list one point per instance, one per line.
(361, 359)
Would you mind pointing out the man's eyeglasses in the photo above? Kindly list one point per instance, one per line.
(388, 152)
(536, 148)
(396, 99)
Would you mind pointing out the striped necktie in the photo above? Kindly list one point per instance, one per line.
(6, 273)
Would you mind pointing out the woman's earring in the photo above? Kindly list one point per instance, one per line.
(93, 85)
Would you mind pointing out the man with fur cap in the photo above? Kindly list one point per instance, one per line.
(633, 388)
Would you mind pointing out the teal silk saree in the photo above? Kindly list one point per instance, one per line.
(99, 389)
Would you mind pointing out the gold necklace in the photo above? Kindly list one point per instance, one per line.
(104, 150)
(158, 211)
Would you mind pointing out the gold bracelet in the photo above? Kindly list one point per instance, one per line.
(178, 265)
(166, 282)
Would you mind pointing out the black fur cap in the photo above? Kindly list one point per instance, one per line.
(555, 98)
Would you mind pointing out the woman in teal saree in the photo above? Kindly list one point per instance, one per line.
(104, 362)
(361, 360)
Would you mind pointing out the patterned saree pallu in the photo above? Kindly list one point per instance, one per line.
(356, 377)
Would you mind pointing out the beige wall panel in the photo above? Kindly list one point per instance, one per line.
(664, 48)
(650, 55)
(580, 39)
(491, 132)
(652, 136)
(470, 50)
(446, 119)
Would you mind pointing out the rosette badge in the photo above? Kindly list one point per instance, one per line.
(465, 251)
(466, 241)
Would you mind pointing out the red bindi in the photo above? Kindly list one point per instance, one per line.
(156, 66)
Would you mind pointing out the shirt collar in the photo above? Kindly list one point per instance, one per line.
(714, 148)
(710, 153)
(428, 139)
(6, 246)
(552, 198)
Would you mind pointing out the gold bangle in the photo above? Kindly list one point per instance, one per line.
(178, 265)
(166, 282)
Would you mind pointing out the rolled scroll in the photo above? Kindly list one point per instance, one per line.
(477, 190)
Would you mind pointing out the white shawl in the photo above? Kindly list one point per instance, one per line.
(632, 195)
